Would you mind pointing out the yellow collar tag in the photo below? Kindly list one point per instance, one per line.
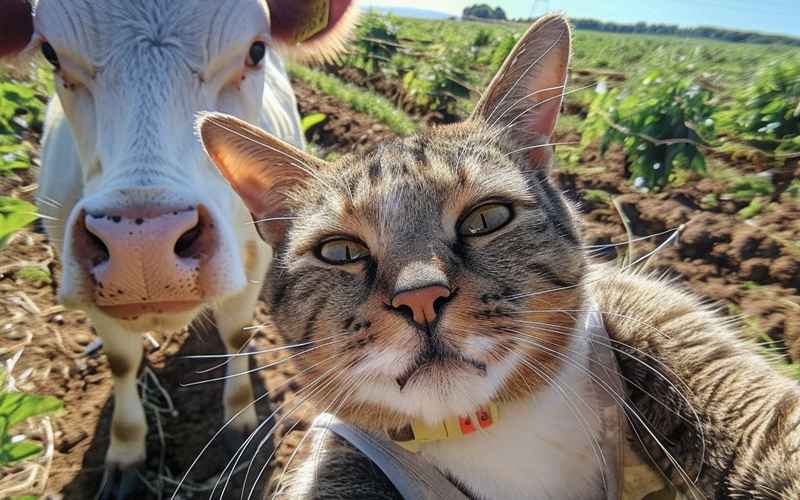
(317, 16)
(451, 428)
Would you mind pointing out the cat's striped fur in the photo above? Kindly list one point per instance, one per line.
(704, 403)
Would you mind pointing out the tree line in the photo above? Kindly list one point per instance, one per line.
(672, 29)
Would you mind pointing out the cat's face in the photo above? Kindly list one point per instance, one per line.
(430, 275)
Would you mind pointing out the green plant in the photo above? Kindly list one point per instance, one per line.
(501, 52)
(311, 120)
(14, 215)
(661, 121)
(482, 38)
(36, 275)
(767, 112)
(15, 408)
(794, 189)
(751, 186)
(357, 99)
(755, 207)
(376, 43)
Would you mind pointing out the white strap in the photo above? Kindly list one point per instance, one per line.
(414, 478)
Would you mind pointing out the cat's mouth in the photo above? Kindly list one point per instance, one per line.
(438, 363)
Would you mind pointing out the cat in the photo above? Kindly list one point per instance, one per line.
(442, 276)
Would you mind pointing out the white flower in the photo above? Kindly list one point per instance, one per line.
(709, 122)
(601, 87)
(656, 166)
(638, 182)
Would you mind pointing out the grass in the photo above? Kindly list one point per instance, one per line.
(357, 99)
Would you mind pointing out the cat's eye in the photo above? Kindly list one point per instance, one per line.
(256, 53)
(485, 219)
(342, 251)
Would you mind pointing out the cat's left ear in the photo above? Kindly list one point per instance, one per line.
(261, 168)
(525, 96)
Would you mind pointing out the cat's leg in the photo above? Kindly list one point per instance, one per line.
(128, 424)
(709, 398)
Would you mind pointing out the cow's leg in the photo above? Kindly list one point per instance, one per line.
(128, 424)
(233, 316)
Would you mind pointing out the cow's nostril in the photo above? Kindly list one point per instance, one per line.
(186, 245)
(99, 250)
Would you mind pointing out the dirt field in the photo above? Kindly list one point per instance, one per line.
(750, 267)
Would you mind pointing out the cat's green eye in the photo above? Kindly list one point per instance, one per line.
(341, 251)
(485, 219)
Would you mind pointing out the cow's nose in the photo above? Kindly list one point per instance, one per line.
(146, 261)
(421, 304)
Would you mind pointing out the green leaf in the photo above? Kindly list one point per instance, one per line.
(14, 215)
(18, 406)
(312, 119)
(13, 452)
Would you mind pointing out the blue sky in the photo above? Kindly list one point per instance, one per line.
(770, 16)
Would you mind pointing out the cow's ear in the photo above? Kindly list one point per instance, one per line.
(16, 26)
(312, 29)
(261, 168)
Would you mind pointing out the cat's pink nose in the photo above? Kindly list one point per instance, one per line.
(149, 263)
(423, 303)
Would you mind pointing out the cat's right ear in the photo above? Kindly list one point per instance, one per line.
(261, 168)
(524, 98)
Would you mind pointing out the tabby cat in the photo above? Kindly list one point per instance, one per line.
(441, 278)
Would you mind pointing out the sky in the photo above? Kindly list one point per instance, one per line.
(768, 16)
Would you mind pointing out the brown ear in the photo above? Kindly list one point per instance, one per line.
(16, 26)
(524, 98)
(312, 29)
(260, 167)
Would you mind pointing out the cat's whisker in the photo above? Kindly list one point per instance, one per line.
(630, 265)
(295, 161)
(270, 219)
(620, 399)
(259, 368)
(46, 200)
(524, 74)
(599, 340)
(343, 373)
(47, 217)
(228, 422)
(265, 351)
(344, 397)
(596, 448)
(629, 241)
(537, 146)
(531, 108)
(524, 98)
(232, 463)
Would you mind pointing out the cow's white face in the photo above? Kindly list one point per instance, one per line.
(157, 234)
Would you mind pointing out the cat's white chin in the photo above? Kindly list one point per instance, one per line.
(435, 398)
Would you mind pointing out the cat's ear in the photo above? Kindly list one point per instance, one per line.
(260, 167)
(524, 98)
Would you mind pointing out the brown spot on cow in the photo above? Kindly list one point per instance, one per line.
(127, 432)
(240, 397)
(119, 365)
(250, 256)
(239, 340)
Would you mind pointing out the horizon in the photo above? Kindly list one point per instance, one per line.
(778, 17)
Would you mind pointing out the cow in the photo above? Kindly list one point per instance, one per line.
(148, 233)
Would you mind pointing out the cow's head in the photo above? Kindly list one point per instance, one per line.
(156, 233)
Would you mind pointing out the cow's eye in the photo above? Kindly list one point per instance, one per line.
(49, 53)
(257, 52)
